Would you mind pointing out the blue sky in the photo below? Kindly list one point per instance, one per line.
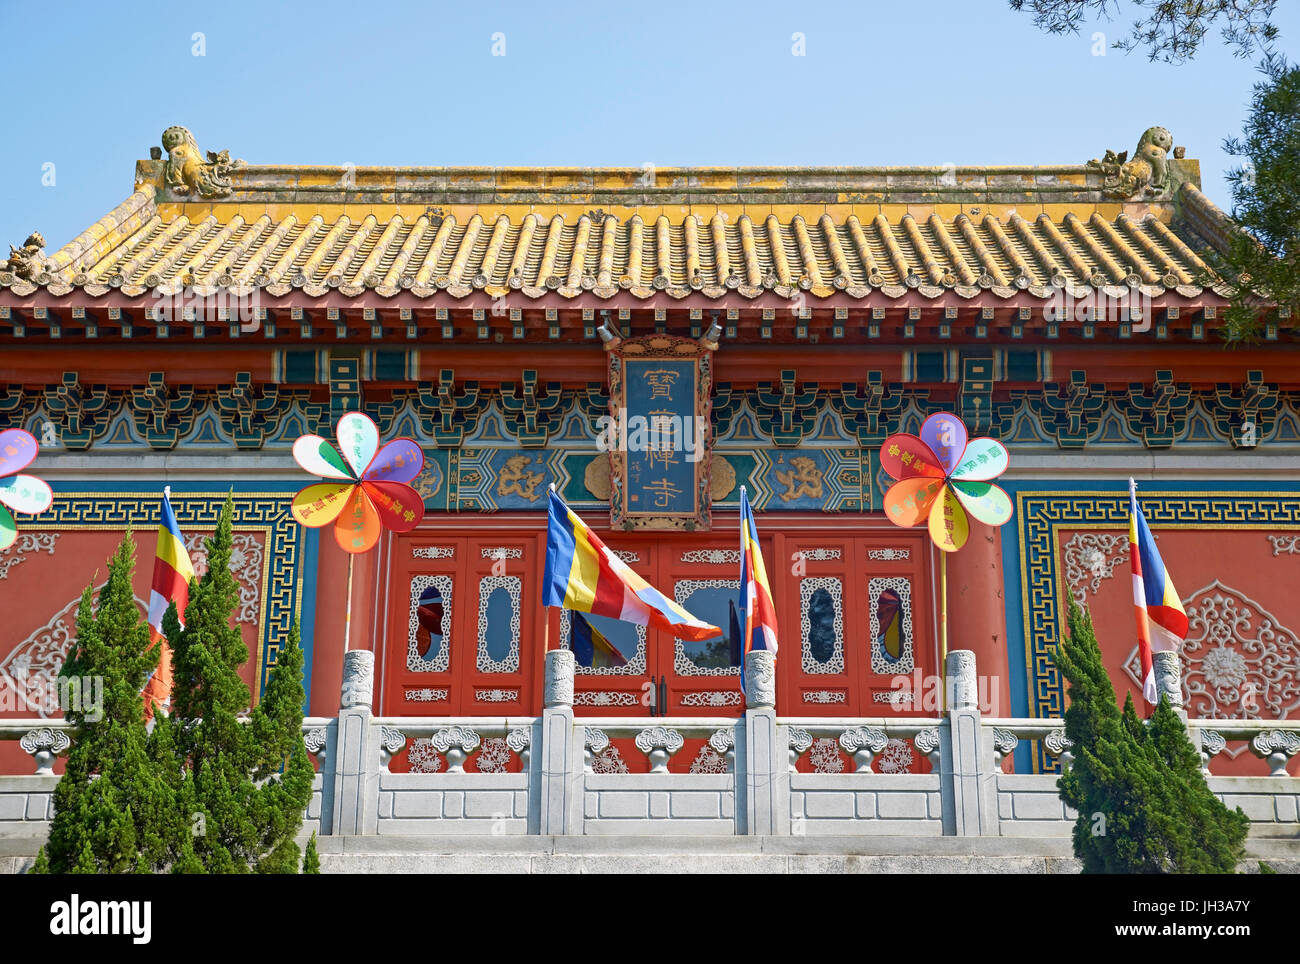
(89, 87)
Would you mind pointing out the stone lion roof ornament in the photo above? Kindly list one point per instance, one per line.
(187, 173)
(1146, 175)
(26, 262)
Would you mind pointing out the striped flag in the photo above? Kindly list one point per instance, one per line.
(583, 575)
(172, 572)
(1161, 619)
(591, 648)
(758, 614)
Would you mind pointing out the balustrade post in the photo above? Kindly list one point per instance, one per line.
(358, 747)
(44, 745)
(970, 806)
(559, 776)
(762, 751)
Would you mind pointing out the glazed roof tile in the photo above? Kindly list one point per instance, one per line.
(711, 230)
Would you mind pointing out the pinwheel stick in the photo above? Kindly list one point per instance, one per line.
(943, 627)
(347, 617)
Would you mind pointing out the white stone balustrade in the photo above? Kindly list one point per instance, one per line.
(559, 791)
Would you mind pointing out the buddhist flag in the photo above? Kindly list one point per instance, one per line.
(758, 615)
(591, 648)
(583, 575)
(1161, 619)
(172, 572)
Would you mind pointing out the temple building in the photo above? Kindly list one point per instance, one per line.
(648, 341)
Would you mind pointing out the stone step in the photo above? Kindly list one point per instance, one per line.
(465, 853)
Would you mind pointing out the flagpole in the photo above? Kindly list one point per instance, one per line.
(347, 619)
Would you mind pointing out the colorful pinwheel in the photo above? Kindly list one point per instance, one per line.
(942, 468)
(22, 493)
(371, 490)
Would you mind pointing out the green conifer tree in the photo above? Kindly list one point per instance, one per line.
(310, 858)
(241, 786)
(1142, 801)
(112, 807)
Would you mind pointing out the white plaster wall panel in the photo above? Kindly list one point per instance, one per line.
(1037, 806)
(631, 804)
(417, 803)
(490, 803)
(659, 828)
(1258, 808)
(829, 803)
(509, 826)
(696, 805)
(13, 806)
(895, 805)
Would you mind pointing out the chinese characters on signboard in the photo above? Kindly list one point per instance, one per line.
(657, 433)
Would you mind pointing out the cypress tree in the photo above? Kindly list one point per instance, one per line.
(241, 786)
(311, 859)
(113, 806)
(1143, 803)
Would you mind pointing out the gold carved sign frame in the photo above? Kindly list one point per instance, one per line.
(659, 433)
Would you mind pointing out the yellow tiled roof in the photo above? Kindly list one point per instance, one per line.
(574, 231)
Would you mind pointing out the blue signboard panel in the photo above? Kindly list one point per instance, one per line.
(662, 445)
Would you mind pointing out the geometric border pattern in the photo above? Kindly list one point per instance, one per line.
(265, 512)
(1042, 515)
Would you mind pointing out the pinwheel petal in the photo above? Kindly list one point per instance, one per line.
(318, 457)
(400, 506)
(401, 460)
(945, 434)
(8, 529)
(949, 526)
(319, 505)
(905, 456)
(26, 493)
(984, 500)
(17, 449)
(985, 459)
(908, 501)
(358, 438)
(357, 528)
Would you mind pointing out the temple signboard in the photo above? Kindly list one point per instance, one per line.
(658, 433)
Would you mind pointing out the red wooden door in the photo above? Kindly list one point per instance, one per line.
(821, 615)
(701, 572)
(615, 671)
(503, 623)
(898, 664)
(465, 625)
(425, 585)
